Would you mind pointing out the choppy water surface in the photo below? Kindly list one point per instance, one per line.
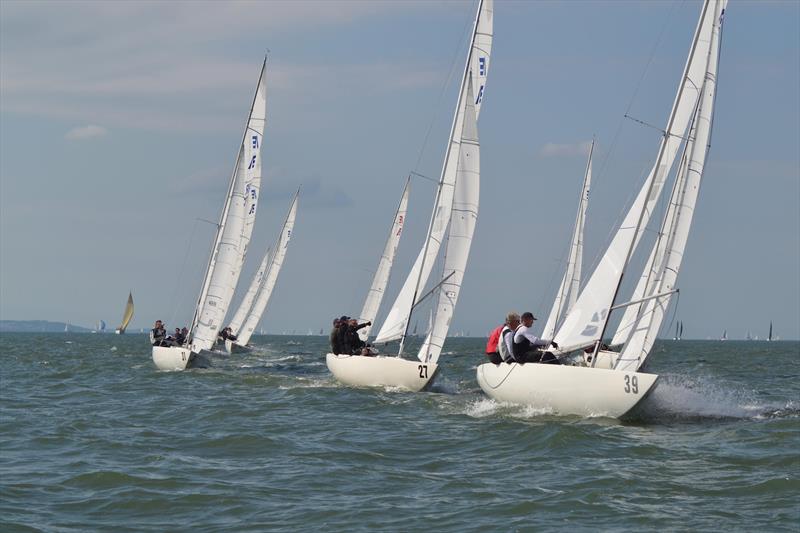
(92, 437)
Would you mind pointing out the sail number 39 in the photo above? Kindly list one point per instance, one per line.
(631, 384)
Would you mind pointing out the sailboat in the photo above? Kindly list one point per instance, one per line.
(724, 335)
(570, 284)
(127, 315)
(678, 330)
(230, 245)
(601, 381)
(452, 221)
(769, 336)
(257, 297)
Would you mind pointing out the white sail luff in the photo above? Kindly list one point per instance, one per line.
(570, 283)
(675, 233)
(378, 288)
(463, 218)
(225, 264)
(265, 292)
(396, 323)
(587, 320)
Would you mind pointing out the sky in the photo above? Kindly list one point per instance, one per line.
(119, 126)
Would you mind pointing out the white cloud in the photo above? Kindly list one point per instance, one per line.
(565, 150)
(86, 132)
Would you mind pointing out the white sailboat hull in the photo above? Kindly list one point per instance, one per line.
(172, 357)
(232, 347)
(118, 332)
(381, 371)
(566, 390)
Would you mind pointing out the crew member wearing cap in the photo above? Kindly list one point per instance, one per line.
(528, 348)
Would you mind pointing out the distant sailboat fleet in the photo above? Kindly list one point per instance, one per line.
(591, 377)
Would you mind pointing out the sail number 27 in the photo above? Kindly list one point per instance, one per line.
(631, 384)
(423, 371)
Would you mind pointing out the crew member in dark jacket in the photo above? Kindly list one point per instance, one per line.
(352, 342)
(336, 345)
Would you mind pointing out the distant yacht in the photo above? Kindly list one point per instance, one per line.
(724, 335)
(769, 337)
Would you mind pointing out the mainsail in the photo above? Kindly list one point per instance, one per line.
(585, 324)
(459, 237)
(225, 263)
(570, 283)
(264, 293)
(127, 315)
(376, 291)
(662, 272)
(475, 72)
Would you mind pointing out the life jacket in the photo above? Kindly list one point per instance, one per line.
(502, 347)
(494, 337)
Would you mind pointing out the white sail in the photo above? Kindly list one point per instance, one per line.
(247, 302)
(459, 237)
(586, 322)
(476, 70)
(660, 275)
(274, 269)
(570, 283)
(378, 288)
(225, 264)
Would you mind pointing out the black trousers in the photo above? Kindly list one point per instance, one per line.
(537, 356)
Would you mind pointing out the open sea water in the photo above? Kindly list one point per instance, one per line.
(94, 438)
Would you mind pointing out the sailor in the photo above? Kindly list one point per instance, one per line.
(336, 346)
(505, 346)
(352, 342)
(179, 336)
(528, 348)
(158, 334)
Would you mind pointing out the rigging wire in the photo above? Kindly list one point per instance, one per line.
(612, 147)
(177, 283)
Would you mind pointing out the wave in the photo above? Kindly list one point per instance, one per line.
(700, 397)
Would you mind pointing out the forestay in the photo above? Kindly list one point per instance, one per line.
(378, 288)
(570, 283)
(665, 259)
(225, 264)
(459, 237)
(274, 269)
(476, 68)
(586, 322)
